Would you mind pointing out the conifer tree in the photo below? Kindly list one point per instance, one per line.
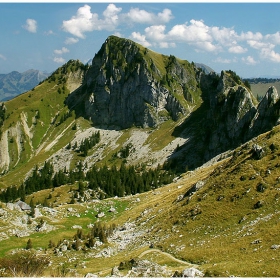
(51, 244)
(91, 242)
(29, 245)
(32, 206)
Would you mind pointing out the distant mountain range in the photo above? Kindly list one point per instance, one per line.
(206, 69)
(15, 83)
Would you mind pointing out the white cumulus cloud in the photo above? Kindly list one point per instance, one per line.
(71, 40)
(205, 46)
(111, 17)
(81, 22)
(50, 32)
(249, 60)
(31, 25)
(224, 36)
(196, 31)
(273, 38)
(259, 45)
(141, 39)
(165, 16)
(270, 54)
(3, 57)
(237, 49)
(166, 45)
(156, 32)
(86, 21)
(59, 60)
(249, 35)
(62, 51)
(141, 16)
(214, 39)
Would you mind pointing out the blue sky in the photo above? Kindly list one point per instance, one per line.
(243, 37)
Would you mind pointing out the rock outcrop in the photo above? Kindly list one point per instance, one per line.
(228, 117)
(128, 85)
(267, 113)
(141, 268)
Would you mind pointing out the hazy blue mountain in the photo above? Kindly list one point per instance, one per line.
(206, 69)
(15, 83)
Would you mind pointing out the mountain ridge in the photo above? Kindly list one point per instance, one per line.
(203, 114)
(116, 89)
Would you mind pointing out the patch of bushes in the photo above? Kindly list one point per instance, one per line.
(24, 264)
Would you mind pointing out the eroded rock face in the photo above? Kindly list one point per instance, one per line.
(189, 273)
(130, 86)
(142, 268)
(267, 112)
(228, 117)
(124, 87)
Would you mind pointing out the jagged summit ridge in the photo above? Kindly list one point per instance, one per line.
(129, 85)
(229, 116)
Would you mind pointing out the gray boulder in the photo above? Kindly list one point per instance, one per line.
(90, 275)
(198, 185)
(257, 151)
(22, 206)
(192, 272)
(275, 247)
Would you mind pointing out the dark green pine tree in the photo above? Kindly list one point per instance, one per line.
(91, 242)
(32, 206)
(8, 194)
(21, 192)
(29, 245)
(81, 189)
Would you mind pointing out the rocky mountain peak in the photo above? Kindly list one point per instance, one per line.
(129, 85)
(229, 116)
(267, 112)
(270, 98)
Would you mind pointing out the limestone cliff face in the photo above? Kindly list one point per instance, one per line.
(267, 114)
(231, 110)
(228, 117)
(127, 85)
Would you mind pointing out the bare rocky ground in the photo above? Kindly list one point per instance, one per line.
(140, 151)
(141, 229)
(133, 234)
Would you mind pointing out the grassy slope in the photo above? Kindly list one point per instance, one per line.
(218, 235)
(220, 240)
(46, 103)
